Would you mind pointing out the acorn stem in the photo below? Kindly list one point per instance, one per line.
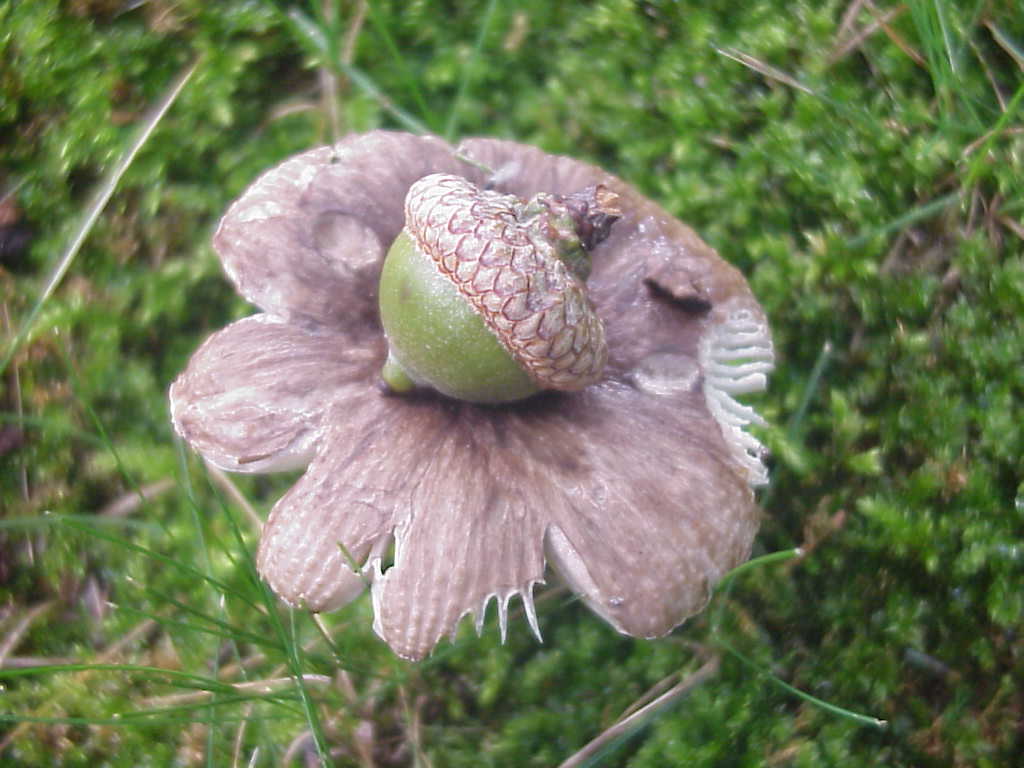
(574, 224)
(395, 376)
(593, 211)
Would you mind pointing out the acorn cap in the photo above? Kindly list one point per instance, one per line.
(507, 259)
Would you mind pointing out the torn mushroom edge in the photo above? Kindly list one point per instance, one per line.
(502, 597)
(736, 355)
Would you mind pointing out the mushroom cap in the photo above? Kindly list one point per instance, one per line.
(637, 489)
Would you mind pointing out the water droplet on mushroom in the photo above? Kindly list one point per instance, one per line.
(666, 373)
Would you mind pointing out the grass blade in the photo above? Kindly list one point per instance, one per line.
(724, 586)
(100, 198)
(314, 40)
(411, 82)
(452, 125)
(920, 213)
(834, 709)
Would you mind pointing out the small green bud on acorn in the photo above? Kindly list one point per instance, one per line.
(483, 295)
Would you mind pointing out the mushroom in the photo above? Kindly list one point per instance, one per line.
(637, 486)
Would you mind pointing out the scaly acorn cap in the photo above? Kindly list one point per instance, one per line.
(521, 266)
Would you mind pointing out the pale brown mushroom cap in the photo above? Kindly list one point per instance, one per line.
(638, 488)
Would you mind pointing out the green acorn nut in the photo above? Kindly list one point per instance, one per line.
(483, 296)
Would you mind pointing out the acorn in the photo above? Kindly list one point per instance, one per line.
(483, 295)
